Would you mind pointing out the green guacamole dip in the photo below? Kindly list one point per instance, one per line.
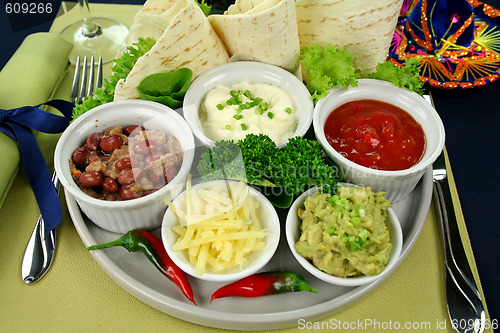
(345, 234)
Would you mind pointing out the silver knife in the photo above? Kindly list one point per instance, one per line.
(39, 250)
(465, 306)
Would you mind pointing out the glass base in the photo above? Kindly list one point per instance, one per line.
(107, 43)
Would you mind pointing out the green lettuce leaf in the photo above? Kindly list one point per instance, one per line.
(404, 77)
(166, 88)
(327, 67)
(121, 68)
(206, 8)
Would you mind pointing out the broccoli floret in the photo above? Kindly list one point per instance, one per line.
(302, 163)
(258, 161)
(258, 151)
(223, 161)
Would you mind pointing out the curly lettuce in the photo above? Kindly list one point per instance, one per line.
(206, 8)
(404, 77)
(120, 70)
(327, 67)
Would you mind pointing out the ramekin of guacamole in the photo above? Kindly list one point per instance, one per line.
(345, 234)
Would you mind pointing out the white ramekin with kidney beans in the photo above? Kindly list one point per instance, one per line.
(121, 161)
(124, 163)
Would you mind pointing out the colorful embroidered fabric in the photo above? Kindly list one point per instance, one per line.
(456, 41)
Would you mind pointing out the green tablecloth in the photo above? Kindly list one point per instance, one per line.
(77, 295)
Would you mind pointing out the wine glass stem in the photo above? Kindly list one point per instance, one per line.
(89, 28)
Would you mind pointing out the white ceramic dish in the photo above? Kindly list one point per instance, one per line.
(252, 72)
(397, 184)
(134, 273)
(267, 215)
(292, 231)
(141, 213)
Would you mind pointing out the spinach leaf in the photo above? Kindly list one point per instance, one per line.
(166, 88)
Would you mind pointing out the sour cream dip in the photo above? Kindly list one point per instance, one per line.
(231, 113)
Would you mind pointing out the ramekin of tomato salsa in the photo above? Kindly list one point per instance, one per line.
(375, 134)
(379, 135)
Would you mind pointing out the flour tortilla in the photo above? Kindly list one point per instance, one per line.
(152, 19)
(262, 30)
(365, 27)
(187, 41)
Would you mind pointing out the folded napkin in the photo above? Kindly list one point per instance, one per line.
(30, 77)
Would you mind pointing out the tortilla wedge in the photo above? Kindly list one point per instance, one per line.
(261, 30)
(364, 27)
(188, 40)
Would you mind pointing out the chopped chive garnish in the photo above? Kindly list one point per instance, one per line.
(244, 106)
(259, 110)
(228, 127)
(235, 100)
(244, 126)
(288, 110)
(270, 115)
(237, 116)
(220, 106)
(248, 94)
(264, 106)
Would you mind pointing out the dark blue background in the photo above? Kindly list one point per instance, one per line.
(471, 118)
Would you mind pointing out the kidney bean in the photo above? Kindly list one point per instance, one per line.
(146, 147)
(123, 164)
(93, 157)
(91, 179)
(169, 173)
(80, 157)
(126, 193)
(153, 157)
(156, 179)
(126, 177)
(109, 184)
(111, 142)
(93, 141)
(132, 130)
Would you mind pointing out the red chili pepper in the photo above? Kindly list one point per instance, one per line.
(152, 247)
(262, 284)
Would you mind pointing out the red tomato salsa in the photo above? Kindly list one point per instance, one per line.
(376, 135)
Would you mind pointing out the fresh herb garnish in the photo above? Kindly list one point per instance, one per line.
(257, 160)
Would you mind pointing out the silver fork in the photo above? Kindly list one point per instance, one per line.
(39, 250)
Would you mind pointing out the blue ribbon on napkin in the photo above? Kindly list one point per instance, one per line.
(18, 124)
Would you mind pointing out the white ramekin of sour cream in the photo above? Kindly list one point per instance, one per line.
(235, 99)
